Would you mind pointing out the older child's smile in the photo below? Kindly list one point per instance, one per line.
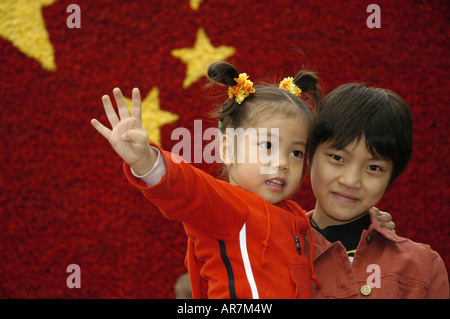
(344, 197)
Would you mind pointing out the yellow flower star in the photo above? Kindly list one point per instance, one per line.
(22, 23)
(200, 57)
(152, 116)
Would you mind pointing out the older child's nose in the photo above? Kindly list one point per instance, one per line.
(350, 178)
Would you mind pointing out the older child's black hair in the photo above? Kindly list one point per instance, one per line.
(353, 111)
(270, 99)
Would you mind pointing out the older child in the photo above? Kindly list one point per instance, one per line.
(246, 239)
(361, 141)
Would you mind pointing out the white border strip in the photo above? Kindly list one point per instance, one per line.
(247, 265)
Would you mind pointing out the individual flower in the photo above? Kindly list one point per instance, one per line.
(242, 89)
(289, 85)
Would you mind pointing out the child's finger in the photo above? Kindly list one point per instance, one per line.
(376, 211)
(136, 107)
(121, 104)
(109, 110)
(389, 225)
(103, 130)
(384, 216)
(392, 224)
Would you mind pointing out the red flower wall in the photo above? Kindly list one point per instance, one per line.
(64, 198)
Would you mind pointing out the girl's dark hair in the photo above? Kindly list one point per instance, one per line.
(266, 98)
(353, 111)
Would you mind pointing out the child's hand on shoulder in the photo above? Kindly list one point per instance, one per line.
(127, 136)
(384, 219)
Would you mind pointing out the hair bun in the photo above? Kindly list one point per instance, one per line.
(223, 72)
(307, 82)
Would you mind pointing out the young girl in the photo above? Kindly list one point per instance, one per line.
(246, 239)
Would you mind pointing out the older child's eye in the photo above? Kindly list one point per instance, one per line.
(298, 154)
(266, 145)
(375, 168)
(336, 158)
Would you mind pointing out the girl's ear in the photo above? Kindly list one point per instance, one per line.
(227, 149)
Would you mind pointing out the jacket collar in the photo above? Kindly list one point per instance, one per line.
(321, 244)
(385, 233)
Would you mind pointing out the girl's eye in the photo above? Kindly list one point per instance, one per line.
(298, 154)
(374, 168)
(266, 145)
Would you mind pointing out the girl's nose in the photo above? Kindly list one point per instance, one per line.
(283, 164)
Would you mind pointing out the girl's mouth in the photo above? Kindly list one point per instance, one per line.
(276, 184)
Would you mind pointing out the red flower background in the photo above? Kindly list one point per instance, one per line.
(64, 198)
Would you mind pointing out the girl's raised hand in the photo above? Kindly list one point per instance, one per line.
(127, 136)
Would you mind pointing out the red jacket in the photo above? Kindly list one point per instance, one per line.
(239, 245)
(406, 269)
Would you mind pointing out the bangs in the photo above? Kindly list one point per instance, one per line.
(380, 134)
(271, 102)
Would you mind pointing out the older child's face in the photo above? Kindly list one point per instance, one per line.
(269, 160)
(346, 183)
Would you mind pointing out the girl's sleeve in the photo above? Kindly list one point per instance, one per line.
(189, 195)
(157, 172)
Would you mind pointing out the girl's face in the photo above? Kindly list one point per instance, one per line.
(269, 158)
(346, 183)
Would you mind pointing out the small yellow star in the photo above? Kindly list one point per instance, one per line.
(22, 23)
(152, 116)
(195, 4)
(200, 57)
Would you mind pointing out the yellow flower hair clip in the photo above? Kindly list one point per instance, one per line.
(289, 85)
(242, 89)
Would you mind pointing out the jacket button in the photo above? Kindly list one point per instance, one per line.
(369, 238)
(366, 290)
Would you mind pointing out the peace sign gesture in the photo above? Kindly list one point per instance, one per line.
(127, 136)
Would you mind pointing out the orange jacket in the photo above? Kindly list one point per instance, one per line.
(239, 246)
(406, 269)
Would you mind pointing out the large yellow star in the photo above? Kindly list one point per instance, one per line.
(200, 57)
(152, 116)
(21, 22)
